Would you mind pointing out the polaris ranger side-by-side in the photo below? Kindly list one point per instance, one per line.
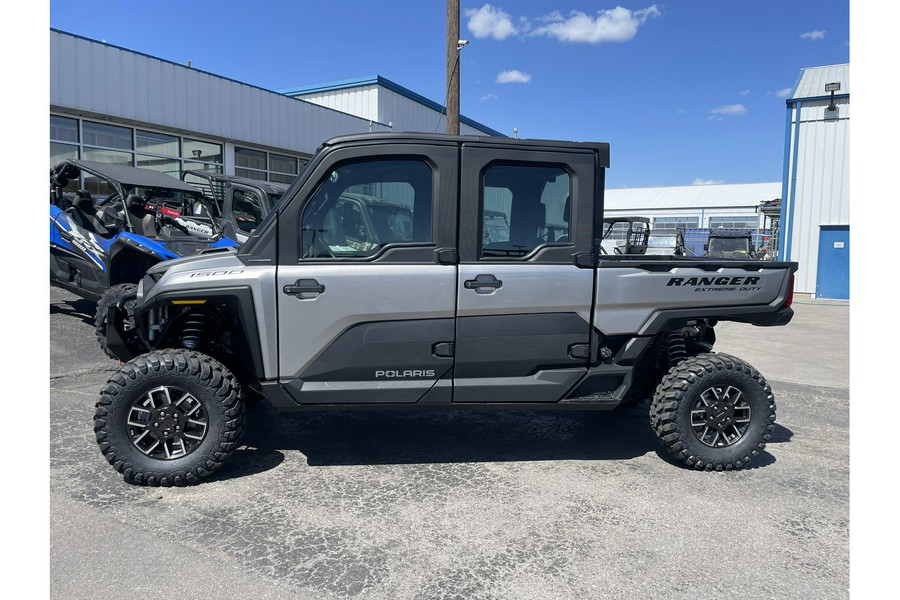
(436, 313)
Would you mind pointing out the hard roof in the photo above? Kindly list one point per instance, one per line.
(133, 176)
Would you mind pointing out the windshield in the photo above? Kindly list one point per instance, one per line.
(729, 245)
(661, 242)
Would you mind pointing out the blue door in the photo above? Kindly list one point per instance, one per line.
(833, 275)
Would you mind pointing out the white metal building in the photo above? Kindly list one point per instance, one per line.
(696, 209)
(382, 101)
(112, 104)
(695, 206)
(816, 186)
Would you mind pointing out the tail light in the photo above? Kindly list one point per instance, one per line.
(790, 292)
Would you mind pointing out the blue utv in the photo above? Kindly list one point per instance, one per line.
(102, 243)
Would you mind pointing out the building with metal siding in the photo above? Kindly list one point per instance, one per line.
(697, 209)
(113, 104)
(816, 187)
(383, 101)
(699, 201)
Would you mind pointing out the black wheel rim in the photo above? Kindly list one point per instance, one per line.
(721, 416)
(166, 423)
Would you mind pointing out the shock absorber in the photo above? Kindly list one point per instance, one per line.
(195, 330)
(675, 347)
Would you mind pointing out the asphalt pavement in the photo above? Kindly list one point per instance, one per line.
(469, 504)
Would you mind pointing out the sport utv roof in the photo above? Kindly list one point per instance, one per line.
(269, 187)
(730, 233)
(132, 176)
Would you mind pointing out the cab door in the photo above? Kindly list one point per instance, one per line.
(366, 294)
(524, 303)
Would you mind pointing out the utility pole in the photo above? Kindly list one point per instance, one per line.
(453, 49)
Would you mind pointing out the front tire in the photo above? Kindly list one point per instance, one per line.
(111, 297)
(713, 412)
(170, 417)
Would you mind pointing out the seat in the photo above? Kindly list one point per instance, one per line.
(142, 222)
(84, 213)
(526, 223)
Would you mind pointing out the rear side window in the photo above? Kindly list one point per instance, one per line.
(523, 207)
(363, 207)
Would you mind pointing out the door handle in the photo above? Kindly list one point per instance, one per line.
(483, 284)
(304, 289)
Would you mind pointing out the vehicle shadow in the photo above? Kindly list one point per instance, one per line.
(457, 436)
(780, 434)
(79, 308)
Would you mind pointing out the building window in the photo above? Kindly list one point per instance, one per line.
(108, 156)
(157, 143)
(63, 129)
(264, 166)
(202, 151)
(250, 163)
(675, 223)
(106, 136)
(734, 222)
(282, 169)
(72, 138)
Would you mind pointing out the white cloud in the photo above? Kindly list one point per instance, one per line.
(699, 181)
(818, 34)
(783, 93)
(681, 111)
(730, 109)
(513, 76)
(613, 25)
(489, 21)
(488, 96)
(744, 92)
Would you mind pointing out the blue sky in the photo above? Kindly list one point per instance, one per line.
(685, 91)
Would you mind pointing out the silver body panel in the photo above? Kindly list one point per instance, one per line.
(356, 294)
(528, 288)
(628, 298)
(213, 272)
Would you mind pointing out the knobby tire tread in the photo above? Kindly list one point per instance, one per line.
(207, 371)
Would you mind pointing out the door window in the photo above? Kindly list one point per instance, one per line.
(364, 207)
(523, 207)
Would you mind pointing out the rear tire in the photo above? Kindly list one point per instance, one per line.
(713, 412)
(111, 297)
(170, 417)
